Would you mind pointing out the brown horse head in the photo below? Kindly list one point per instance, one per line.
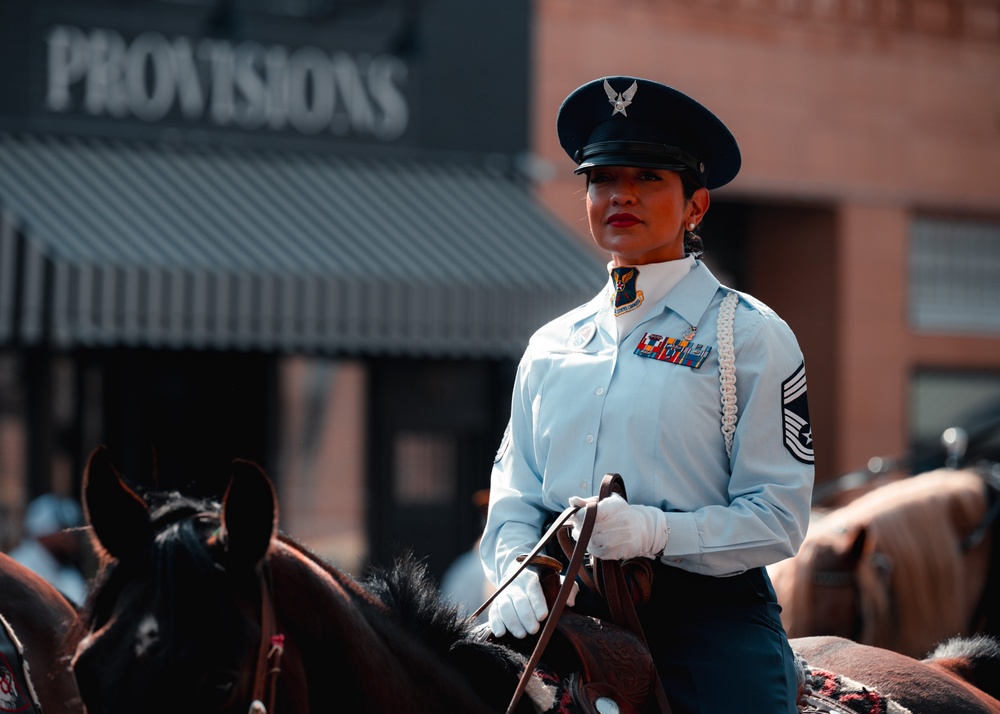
(890, 569)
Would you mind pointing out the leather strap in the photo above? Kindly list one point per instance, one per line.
(590, 516)
(567, 545)
(612, 584)
(271, 645)
(609, 576)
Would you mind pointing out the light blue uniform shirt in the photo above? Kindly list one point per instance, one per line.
(580, 411)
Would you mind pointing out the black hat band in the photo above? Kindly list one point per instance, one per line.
(641, 153)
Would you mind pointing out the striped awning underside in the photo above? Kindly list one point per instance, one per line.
(125, 245)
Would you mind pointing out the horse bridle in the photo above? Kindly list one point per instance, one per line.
(269, 652)
(881, 564)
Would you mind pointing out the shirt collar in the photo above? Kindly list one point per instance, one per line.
(690, 298)
(656, 280)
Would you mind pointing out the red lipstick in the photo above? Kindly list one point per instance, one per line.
(622, 220)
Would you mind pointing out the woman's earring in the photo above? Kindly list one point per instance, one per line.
(690, 226)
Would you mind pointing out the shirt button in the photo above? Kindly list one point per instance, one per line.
(590, 438)
(584, 486)
(600, 391)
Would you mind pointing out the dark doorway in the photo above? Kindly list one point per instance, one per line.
(435, 427)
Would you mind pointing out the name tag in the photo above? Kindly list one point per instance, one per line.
(673, 350)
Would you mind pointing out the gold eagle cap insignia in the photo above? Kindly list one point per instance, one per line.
(620, 101)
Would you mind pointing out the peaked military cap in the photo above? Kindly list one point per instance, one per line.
(628, 121)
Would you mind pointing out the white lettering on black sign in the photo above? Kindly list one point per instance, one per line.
(245, 85)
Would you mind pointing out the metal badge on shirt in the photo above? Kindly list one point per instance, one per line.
(582, 337)
(675, 350)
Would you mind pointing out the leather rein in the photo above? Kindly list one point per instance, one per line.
(269, 652)
(607, 580)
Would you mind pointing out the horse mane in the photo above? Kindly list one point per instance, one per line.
(403, 608)
(407, 589)
(975, 659)
(403, 592)
(913, 526)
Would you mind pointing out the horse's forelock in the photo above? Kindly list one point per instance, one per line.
(182, 528)
(168, 508)
(922, 535)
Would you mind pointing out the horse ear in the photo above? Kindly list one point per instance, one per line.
(118, 517)
(249, 514)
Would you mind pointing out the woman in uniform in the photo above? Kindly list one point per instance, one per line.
(693, 392)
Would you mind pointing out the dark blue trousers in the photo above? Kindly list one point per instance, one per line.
(718, 643)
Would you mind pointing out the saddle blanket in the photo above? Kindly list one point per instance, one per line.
(16, 693)
(823, 687)
(821, 691)
(548, 693)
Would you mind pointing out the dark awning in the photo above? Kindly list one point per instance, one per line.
(132, 245)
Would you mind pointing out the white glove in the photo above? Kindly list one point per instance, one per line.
(621, 530)
(520, 607)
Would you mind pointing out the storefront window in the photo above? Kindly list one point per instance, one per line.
(955, 276)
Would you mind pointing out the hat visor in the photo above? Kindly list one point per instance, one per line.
(634, 160)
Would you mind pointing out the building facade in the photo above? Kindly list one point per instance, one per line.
(290, 232)
(867, 211)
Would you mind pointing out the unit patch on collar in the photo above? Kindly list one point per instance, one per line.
(674, 350)
(795, 417)
(627, 297)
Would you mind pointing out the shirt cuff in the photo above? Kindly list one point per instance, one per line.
(683, 540)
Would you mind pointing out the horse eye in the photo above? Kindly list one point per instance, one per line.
(218, 687)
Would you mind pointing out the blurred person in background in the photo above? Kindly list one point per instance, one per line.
(53, 544)
(693, 392)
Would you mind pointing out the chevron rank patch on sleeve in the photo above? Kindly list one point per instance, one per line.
(795, 417)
